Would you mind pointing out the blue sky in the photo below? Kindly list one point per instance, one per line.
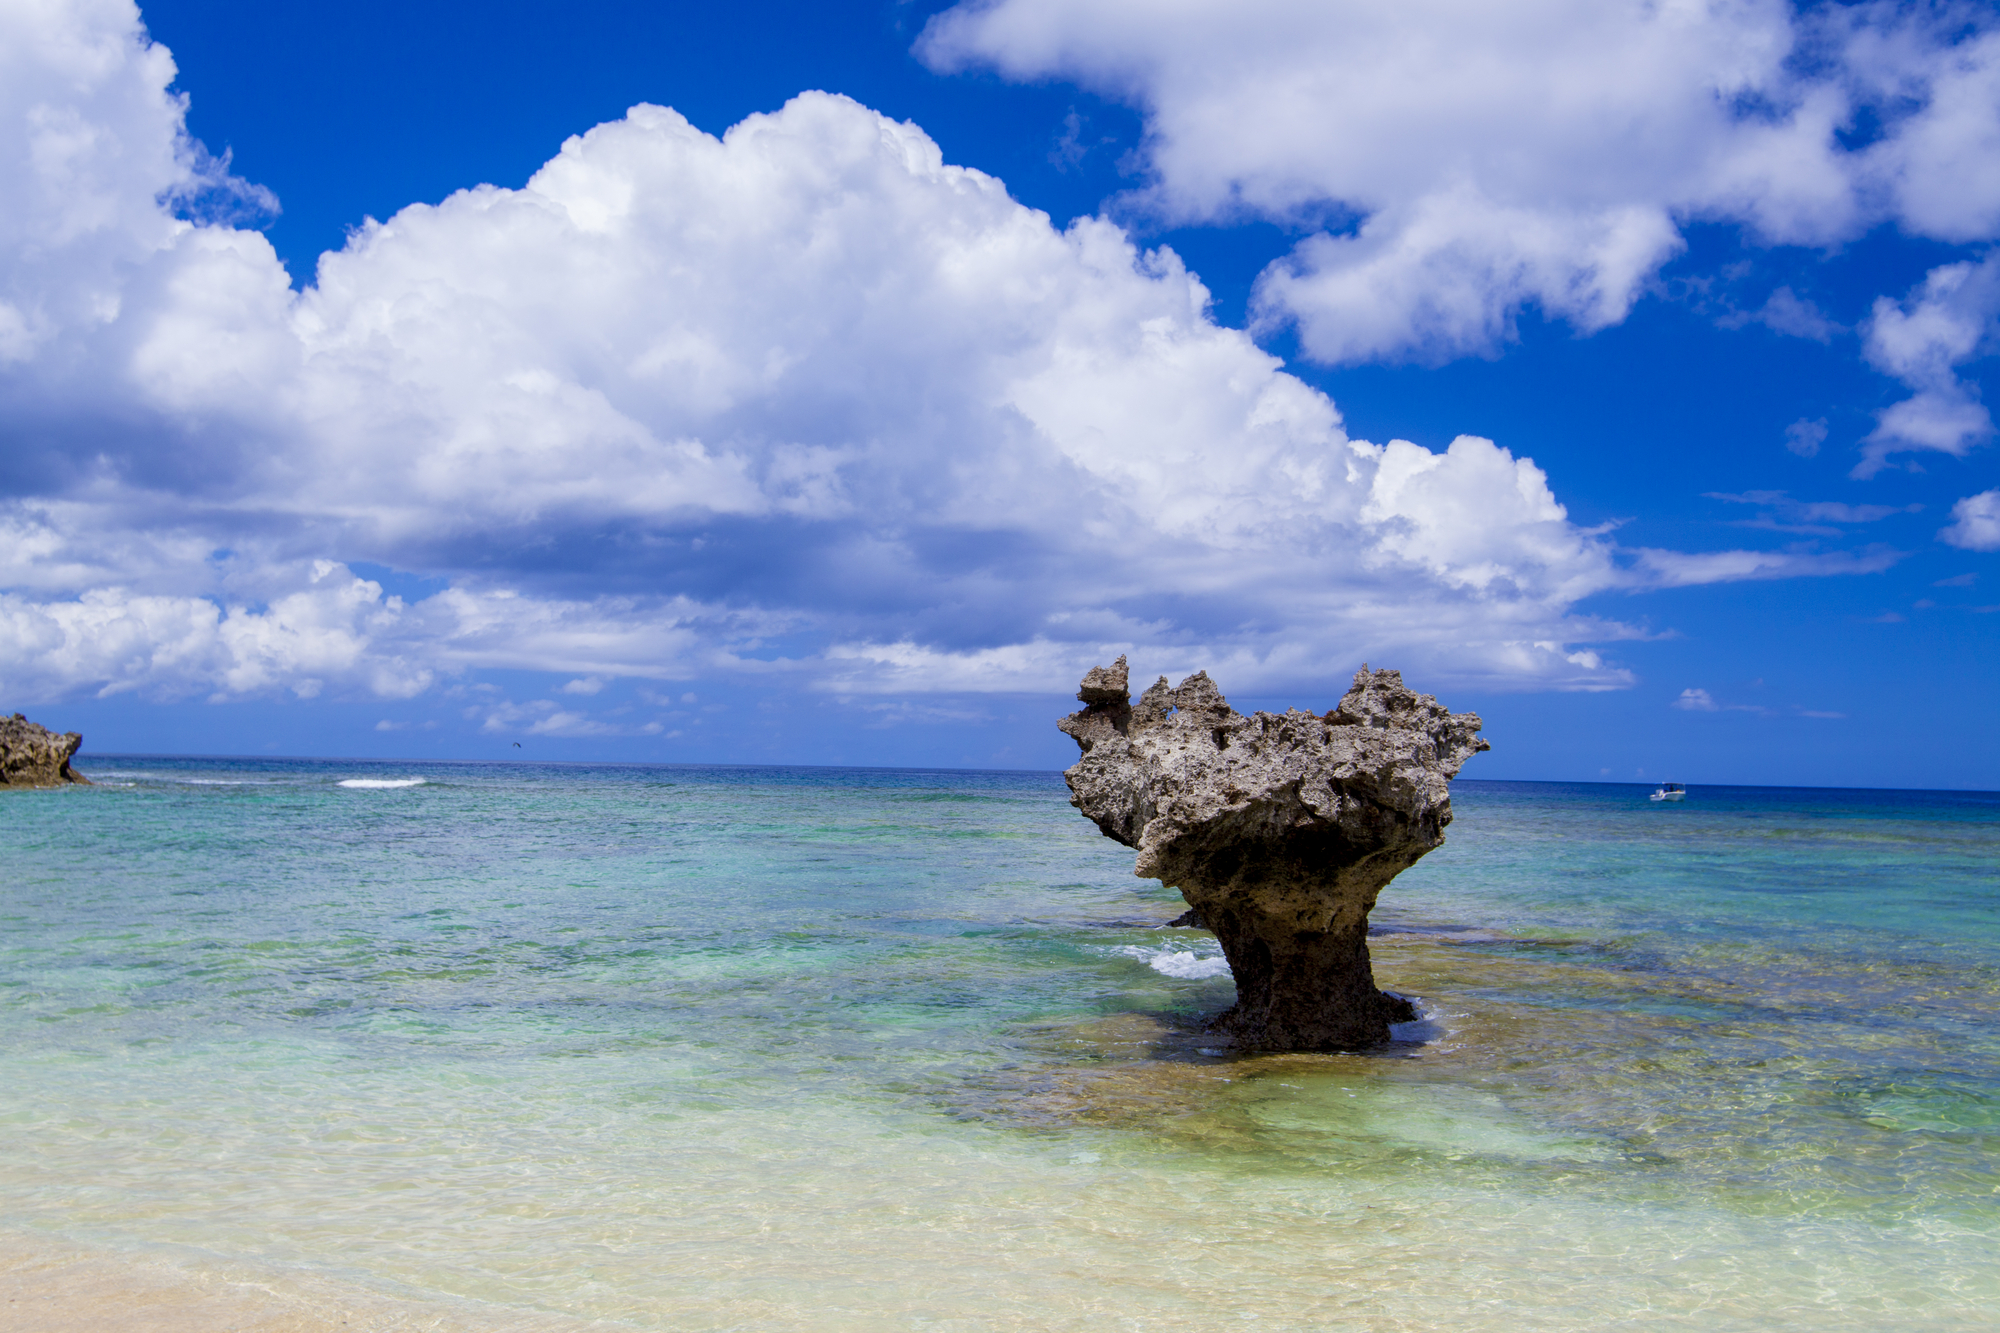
(1614, 370)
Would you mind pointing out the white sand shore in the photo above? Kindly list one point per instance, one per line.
(52, 1286)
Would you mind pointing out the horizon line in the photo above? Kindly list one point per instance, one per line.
(944, 768)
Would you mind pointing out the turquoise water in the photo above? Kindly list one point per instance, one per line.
(715, 1048)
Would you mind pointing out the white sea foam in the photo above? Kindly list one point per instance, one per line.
(376, 784)
(99, 776)
(1427, 1028)
(1181, 963)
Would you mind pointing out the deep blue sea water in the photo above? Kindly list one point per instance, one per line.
(709, 1048)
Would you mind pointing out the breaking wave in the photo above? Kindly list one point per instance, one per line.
(1180, 963)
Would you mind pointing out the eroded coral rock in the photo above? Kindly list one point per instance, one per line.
(1279, 829)
(34, 756)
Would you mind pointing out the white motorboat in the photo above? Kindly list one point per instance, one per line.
(1670, 791)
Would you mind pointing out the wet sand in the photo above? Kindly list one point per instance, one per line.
(52, 1286)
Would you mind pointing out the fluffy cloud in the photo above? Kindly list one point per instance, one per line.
(1804, 436)
(1950, 318)
(1474, 158)
(804, 402)
(90, 146)
(334, 630)
(1976, 526)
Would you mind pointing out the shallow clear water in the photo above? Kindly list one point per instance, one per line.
(830, 1049)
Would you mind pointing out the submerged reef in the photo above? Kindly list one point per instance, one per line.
(34, 756)
(1279, 829)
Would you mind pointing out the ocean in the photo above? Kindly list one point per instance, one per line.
(494, 1046)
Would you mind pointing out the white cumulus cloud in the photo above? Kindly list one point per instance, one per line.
(1976, 526)
(1457, 160)
(803, 402)
(1951, 317)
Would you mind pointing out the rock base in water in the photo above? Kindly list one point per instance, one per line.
(34, 756)
(1279, 829)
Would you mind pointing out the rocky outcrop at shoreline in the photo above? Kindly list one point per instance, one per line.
(34, 756)
(1279, 829)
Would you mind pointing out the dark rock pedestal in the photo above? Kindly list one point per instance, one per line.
(1280, 830)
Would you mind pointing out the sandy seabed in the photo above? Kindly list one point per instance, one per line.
(52, 1286)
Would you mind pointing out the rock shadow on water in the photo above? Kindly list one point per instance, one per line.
(1162, 1061)
(1149, 1071)
(1160, 1084)
(1483, 1082)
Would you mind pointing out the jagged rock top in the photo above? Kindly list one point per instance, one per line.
(33, 756)
(1280, 830)
(1183, 777)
